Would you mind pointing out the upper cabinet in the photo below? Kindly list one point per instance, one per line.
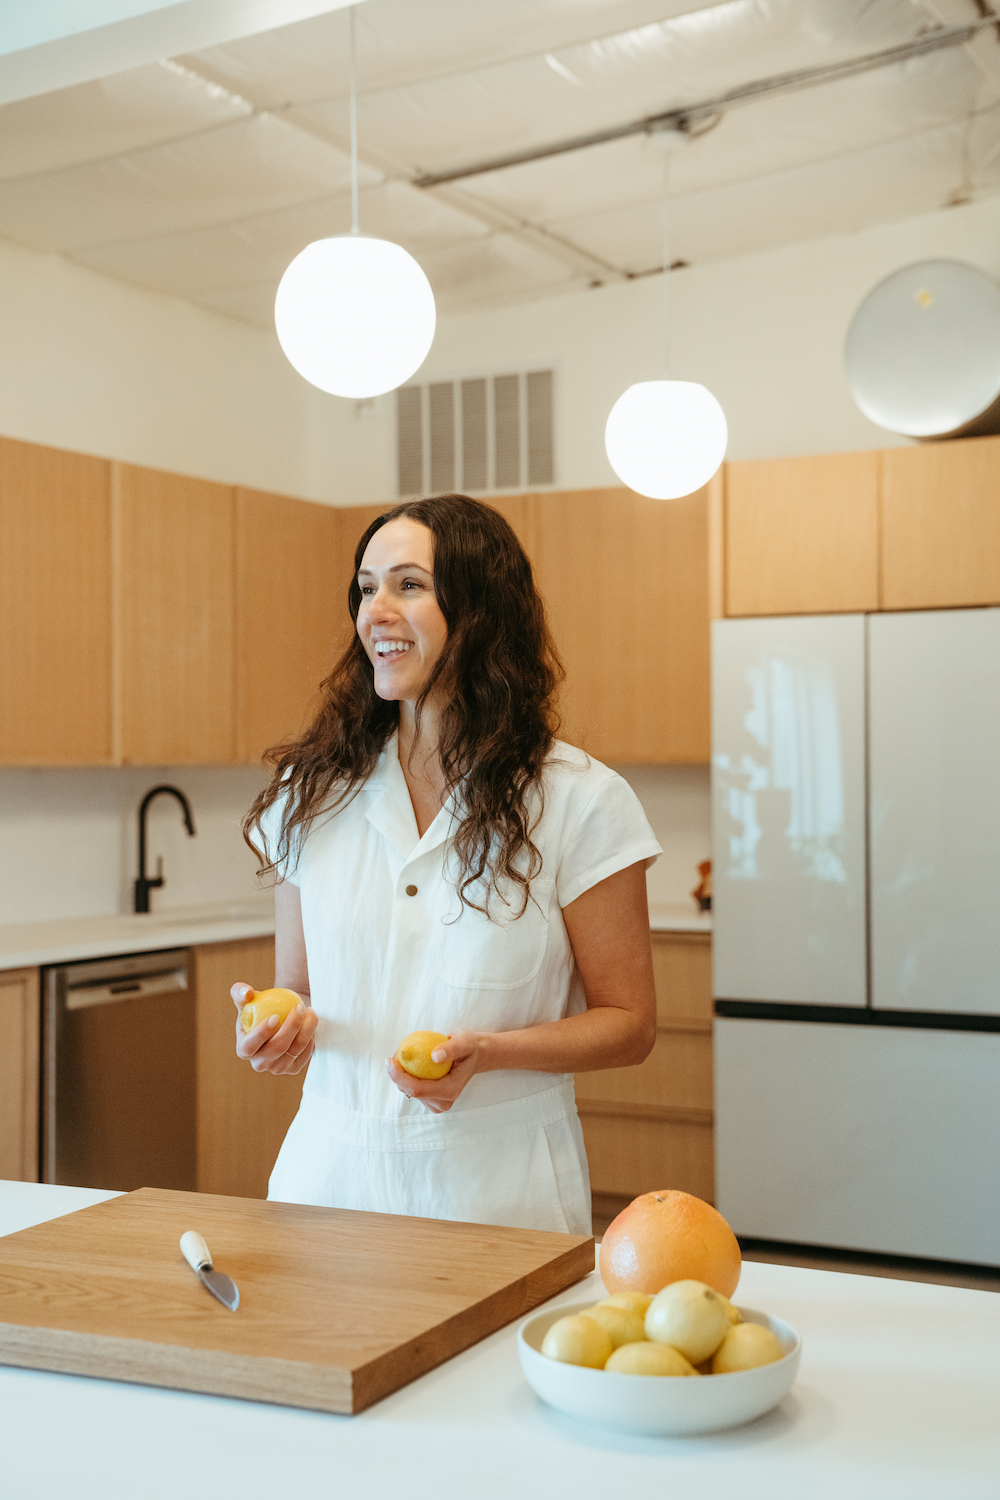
(291, 590)
(801, 535)
(55, 635)
(625, 582)
(941, 524)
(174, 561)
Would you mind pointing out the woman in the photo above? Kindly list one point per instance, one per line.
(446, 865)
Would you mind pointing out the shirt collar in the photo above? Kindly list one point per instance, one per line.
(390, 810)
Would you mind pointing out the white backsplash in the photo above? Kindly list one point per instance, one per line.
(677, 801)
(69, 837)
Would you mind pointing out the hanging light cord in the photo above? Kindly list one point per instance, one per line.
(354, 122)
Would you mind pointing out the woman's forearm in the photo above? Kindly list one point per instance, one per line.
(602, 1037)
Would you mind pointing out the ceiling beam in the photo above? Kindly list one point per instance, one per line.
(685, 118)
(53, 44)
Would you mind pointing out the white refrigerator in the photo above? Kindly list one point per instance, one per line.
(856, 944)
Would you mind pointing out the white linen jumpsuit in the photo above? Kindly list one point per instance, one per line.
(391, 950)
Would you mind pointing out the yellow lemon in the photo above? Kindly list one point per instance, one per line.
(744, 1347)
(578, 1340)
(689, 1315)
(649, 1359)
(623, 1325)
(414, 1055)
(637, 1301)
(257, 1007)
(732, 1313)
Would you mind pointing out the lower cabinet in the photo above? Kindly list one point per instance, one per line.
(20, 1012)
(242, 1115)
(651, 1127)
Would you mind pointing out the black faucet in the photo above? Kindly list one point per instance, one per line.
(143, 885)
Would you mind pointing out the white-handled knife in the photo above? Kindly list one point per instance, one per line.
(197, 1255)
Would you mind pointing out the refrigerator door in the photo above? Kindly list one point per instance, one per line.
(788, 810)
(881, 1138)
(935, 810)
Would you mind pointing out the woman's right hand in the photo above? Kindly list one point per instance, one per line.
(275, 1049)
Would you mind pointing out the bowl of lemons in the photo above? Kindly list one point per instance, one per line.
(682, 1362)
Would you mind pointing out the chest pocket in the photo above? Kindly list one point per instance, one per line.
(474, 953)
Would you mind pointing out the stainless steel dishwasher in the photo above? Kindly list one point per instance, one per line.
(118, 1073)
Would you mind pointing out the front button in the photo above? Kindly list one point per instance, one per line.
(411, 890)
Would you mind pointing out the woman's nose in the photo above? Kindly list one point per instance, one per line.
(380, 604)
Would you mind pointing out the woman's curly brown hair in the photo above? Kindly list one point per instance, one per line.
(499, 669)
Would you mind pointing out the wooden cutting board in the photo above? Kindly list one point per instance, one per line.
(337, 1309)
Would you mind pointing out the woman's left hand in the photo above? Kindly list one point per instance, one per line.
(439, 1094)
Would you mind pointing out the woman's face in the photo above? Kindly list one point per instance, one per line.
(400, 623)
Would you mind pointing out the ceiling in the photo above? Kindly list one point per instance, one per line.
(203, 175)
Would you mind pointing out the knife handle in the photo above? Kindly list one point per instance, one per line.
(195, 1251)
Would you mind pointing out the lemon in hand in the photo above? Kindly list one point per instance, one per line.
(258, 1006)
(414, 1055)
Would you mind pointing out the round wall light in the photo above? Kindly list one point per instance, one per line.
(666, 438)
(355, 315)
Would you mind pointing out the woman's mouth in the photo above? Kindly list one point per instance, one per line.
(387, 652)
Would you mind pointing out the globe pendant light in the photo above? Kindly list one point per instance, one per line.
(355, 315)
(666, 438)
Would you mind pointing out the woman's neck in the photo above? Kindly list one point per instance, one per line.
(420, 762)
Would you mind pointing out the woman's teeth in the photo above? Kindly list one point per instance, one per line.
(385, 648)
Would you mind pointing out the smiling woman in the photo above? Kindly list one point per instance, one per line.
(445, 863)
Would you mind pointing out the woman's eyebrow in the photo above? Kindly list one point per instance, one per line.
(399, 568)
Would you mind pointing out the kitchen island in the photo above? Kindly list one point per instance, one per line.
(898, 1396)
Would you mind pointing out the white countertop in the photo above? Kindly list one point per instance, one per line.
(678, 916)
(25, 944)
(897, 1399)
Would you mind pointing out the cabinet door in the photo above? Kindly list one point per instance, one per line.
(788, 810)
(802, 535)
(625, 581)
(19, 1023)
(935, 810)
(290, 605)
(242, 1116)
(651, 1126)
(174, 625)
(941, 524)
(55, 581)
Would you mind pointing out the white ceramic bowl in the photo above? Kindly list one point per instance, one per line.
(657, 1405)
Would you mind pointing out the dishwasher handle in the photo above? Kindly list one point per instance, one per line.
(129, 987)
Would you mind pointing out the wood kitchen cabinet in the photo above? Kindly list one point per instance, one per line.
(625, 582)
(801, 535)
(174, 637)
(651, 1127)
(941, 524)
(20, 1012)
(55, 581)
(242, 1116)
(290, 607)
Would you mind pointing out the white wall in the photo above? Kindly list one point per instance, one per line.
(764, 332)
(677, 802)
(93, 364)
(69, 840)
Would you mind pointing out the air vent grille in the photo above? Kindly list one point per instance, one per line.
(481, 435)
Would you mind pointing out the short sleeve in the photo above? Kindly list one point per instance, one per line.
(610, 833)
(269, 829)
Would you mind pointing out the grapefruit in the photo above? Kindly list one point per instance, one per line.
(669, 1236)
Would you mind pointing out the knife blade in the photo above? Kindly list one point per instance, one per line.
(199, 1258)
